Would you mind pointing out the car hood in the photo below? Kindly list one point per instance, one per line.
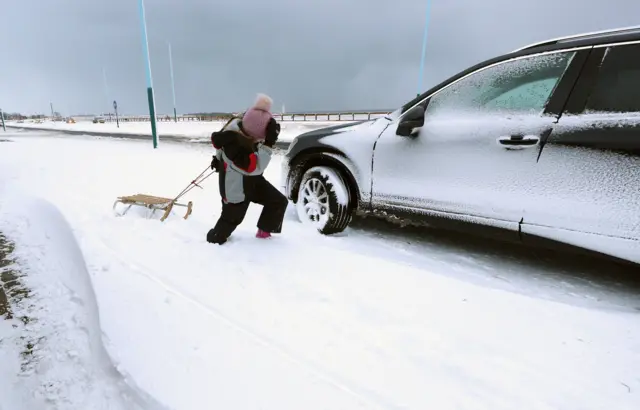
(334, 129)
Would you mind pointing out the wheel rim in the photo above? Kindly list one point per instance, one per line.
(314, 201)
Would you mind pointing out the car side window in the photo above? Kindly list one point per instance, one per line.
(517, 86)
(618, 84)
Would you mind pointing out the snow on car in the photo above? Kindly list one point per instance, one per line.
(541, 144)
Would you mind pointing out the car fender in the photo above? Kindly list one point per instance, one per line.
(325, 156)
(348, 147)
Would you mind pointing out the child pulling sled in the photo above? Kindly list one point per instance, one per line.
(243, 152)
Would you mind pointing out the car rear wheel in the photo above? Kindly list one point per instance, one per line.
(323, 200)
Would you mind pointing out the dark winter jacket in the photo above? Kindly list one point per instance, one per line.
(242, 160)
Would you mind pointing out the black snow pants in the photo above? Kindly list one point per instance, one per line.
(257, 190)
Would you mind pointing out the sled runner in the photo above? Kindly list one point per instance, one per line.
(156, 203)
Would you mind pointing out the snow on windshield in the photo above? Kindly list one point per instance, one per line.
(516, 86)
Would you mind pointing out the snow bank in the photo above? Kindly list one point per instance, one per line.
(69, 368)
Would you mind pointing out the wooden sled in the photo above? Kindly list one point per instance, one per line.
(152, 202)
(160, 203)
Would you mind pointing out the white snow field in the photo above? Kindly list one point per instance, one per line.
(189, 130)
(299, 321)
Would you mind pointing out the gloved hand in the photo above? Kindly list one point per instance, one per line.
(216, 164)
(273, 130)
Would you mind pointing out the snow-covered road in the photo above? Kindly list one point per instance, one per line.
(185, 131)
(373, 318)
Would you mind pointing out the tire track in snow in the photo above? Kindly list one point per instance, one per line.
(260, 340)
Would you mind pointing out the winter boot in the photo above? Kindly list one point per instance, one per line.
(263, 234)
(213, 238)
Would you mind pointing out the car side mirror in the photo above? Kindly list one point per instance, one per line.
(414, 118)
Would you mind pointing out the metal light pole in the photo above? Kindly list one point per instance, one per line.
(173, 85)
(424, 48)
(150, 99)
(115, 108)
(2, 116)
(52, 116)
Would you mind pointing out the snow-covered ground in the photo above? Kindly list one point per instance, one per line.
(366, 319)
(197, 130)
(51, 353)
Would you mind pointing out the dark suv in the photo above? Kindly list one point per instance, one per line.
(543, 142)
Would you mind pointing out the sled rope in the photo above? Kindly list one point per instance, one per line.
(195, 183)
(192, 184)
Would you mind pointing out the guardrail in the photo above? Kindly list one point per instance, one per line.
(344, 116)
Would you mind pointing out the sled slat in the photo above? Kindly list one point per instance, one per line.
(147, 199)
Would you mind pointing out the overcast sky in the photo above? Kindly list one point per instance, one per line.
(306, 54)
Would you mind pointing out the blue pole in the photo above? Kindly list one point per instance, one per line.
(150, 98)
(424, 48)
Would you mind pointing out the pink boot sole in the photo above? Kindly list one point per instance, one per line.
(262, 234)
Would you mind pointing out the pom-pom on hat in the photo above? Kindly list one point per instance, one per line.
(256, 118)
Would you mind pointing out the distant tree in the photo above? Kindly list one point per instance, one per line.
(13, 116)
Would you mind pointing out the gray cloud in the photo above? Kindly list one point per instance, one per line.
(309, 55)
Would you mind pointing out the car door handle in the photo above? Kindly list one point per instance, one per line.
(518, 141)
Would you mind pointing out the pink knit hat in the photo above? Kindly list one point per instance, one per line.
(255, 120)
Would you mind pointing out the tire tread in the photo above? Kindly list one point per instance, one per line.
(342, 214)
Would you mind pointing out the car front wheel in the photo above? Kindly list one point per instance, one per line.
(323, 200)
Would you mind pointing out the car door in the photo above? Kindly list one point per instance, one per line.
(588, 187)
(475, 156)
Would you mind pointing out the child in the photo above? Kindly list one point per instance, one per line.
(244, 149)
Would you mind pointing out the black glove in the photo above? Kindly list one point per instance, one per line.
(216, 164)
(273, 130)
